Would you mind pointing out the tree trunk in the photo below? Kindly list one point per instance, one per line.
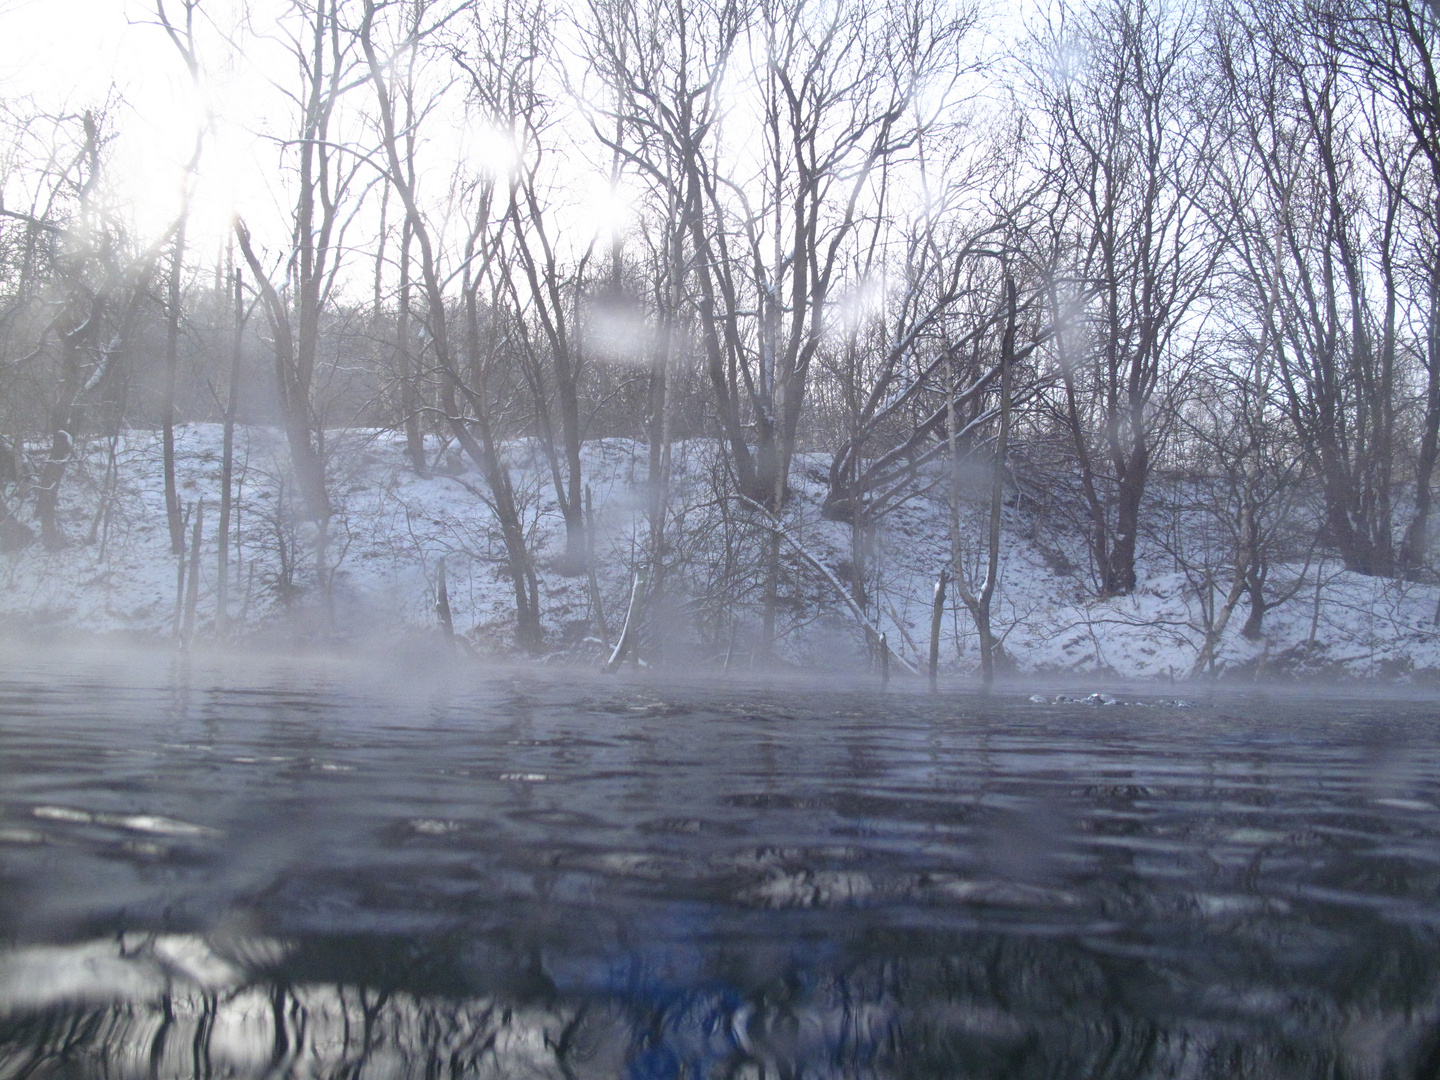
(409, 363)
(1120, 569)
(292, 385)
(167, 405)
(937, 615)
(227, 457)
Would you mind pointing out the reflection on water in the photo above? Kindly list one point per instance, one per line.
(301, 870)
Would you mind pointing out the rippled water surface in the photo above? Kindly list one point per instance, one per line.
(249, 868)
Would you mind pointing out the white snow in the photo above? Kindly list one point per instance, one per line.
(391, 526)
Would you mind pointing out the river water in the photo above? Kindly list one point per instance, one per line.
(332, 868)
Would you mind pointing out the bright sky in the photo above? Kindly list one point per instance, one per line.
(72, 54)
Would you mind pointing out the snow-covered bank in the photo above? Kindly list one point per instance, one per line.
(391, 527)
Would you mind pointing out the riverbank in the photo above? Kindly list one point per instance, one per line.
(376, 587)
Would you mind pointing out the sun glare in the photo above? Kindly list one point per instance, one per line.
(494, 149)
(67, 56)
(608, 209)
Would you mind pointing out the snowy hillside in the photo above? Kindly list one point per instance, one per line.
(117, 576)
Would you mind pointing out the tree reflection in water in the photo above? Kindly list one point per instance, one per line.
(983, 1005)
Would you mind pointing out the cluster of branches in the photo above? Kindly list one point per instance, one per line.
(1182, 239)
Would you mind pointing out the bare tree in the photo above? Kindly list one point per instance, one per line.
(548, 259)
(929, 385)
(658, 70)
(465, 396)
(411, 102)
(326, 188)
(778, 182)
(1320, 204)
(1395, 44)
(1241, 506)
(182, 36)
(1127, 157)
(87, 284)
(979, 596)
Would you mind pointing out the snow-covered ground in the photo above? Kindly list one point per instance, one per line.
(391, 527)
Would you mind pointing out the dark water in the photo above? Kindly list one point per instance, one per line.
(286, 869)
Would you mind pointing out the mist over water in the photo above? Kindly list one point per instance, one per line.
(321, 868)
